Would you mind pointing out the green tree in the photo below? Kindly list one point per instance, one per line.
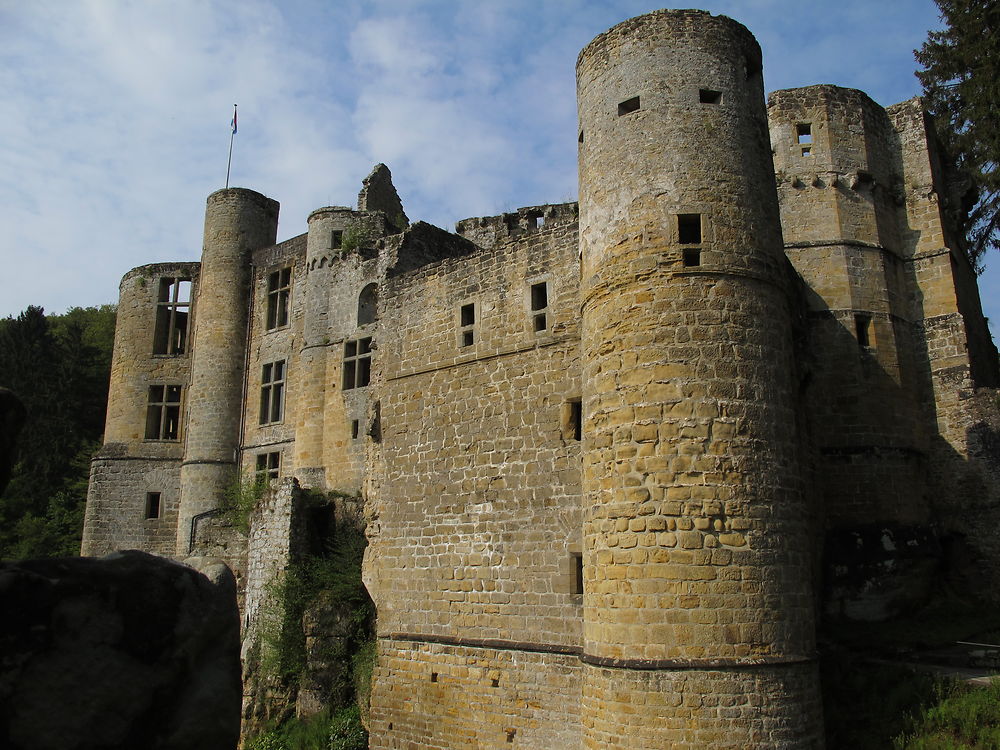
(961, 82)
(59, 366)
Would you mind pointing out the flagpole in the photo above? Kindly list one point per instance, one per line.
(232, 133)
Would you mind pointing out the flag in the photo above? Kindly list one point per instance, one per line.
(233, 123)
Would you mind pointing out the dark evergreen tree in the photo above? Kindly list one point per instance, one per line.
(961, 82)
(59, 366)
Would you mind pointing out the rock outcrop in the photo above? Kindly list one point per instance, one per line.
(123, 652)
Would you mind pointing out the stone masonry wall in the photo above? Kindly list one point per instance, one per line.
(474, 497)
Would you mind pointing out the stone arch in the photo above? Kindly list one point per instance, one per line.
(366, 304)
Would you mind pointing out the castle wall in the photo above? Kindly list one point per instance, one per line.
(475, 493)
(835, 157)
(139, 458)
(236, 222)
(696, 527)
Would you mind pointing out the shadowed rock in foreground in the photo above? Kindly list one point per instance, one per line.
(127, 651)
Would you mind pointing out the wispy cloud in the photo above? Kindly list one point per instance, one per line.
(114, 118)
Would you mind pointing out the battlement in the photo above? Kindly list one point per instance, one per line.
(487, 231)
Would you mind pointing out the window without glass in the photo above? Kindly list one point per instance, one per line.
(539, 306)
(163, 414)
(278, 284)
(628, 106)
(336, 239)
(357, 363)
(268, 465)
(708, 96)
(467, 320)
(367, 301)
(152, 505)
(803, 132)
(272, 392)
(173, 307)
(689, 228)
(862, 329)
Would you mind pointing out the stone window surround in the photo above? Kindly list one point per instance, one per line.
(273, 377)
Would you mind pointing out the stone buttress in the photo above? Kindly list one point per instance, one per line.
(698, 621)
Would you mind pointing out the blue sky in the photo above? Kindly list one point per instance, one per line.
(114, 118)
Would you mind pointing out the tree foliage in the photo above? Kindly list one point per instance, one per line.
(59, 365)
(961, 82)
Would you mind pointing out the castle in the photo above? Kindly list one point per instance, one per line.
(606, 451)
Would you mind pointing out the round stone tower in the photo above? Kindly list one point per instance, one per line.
(236, 222)
(698, 616)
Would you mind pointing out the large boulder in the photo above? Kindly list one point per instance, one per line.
(12, 416)
(123, 652)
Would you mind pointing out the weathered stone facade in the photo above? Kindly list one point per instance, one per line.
(599, 446)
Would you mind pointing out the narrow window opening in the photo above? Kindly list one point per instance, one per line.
(467, 321)
(540, 306)
(862, 329)
(494, 682)
(367, 302)
(163, 413)
(708, 96)
(578, 573)
(278, 287)
(807, 151)
(803, 132)
(510, 734)
(434, 676)
(628, 106)
(357, 363)
(572, 420)
(692, 257)
(336, 239)
(580, 139)
(539, 221)
(268, 466)
(753, 67)
(468, 314)
(152, 505)
(173, 306)
(355, 429)
(689, 228)
(272, 392)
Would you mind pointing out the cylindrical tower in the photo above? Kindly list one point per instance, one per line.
(698, 618)
(236, 222)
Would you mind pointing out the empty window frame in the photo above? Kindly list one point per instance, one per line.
(272, 392)
(173, 307)
(278, 286)
(691, 257)
(268, 465)
(539, 306)
(863, 330)
(467, 324)
(628, 106)
(709, 96)
(577, 572)
(336, 239)
(163, 412)
(803, 132)
(367, 302)
(572, 419)
(355, 429)
(153, 506)
(689, 229)
(357, 363)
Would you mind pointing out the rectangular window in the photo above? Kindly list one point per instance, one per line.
(692, 257)
(689, 228)
(577, 573)
(862, 329)
(708, 96)
(803, 132)
(628, 106)
(278, 285)
(173, 307)
(467, 320)
(357, 363)
(152, 505)
(272, 392)
(163, 414)
(539, 306)
(355, 428)
(336, 239)
(572, 419)
(268, 465)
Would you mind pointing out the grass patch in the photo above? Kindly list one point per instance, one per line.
(963, 718)
(329, 730)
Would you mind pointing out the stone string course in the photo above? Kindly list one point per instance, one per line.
(603, 448)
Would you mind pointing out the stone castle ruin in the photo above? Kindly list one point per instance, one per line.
(614, 457)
